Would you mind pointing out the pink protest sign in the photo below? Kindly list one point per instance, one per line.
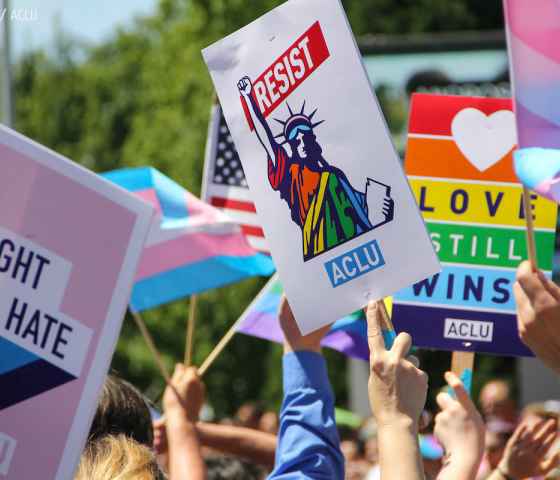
(69, 245)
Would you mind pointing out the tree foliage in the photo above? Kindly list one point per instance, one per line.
(142, 97)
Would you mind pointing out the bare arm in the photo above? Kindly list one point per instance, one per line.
(182, 401)
(262, 129)
(397, 394)
(253, 445)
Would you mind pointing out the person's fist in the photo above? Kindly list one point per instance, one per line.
(245, 86)
(185, 394)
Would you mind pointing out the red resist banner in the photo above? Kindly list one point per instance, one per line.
(289, 70)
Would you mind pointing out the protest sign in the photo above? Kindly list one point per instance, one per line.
(69, 246)
(335, 206)
(460, 168)
(347, 335)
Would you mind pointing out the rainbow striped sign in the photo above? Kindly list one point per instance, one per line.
(459, 164)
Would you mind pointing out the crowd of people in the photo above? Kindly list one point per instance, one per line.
(400, 441)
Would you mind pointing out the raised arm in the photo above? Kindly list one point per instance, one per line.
(397, 394)
(262, 129)
(308, 443)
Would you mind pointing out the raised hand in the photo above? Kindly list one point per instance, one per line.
(185, 395)
(460, 430)
(397, 389)
(538, 314)
(245, 86)
(526, 451)
(293, 339)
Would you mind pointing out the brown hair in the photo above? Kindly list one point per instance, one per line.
(117, 458)
(122, 410)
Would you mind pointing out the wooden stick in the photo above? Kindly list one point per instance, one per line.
(531, 247)
(190, 331)
(151, 345)
(462, 365)
(219, 347)
(386, 317)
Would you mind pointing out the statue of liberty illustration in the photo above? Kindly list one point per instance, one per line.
(322, 202)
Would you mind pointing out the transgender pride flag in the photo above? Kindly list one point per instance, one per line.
(347, 335)
(191, 246)
(533, 31)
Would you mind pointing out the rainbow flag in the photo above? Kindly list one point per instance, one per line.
(347, 335)
(191, 246)
(533, 30)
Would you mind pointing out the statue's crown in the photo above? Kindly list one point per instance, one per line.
(295, 123)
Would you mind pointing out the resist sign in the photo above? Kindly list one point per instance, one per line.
(329, 191)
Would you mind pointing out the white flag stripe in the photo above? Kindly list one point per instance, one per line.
(160, 235)
(233, 193)
(241, 217)
(258, 243)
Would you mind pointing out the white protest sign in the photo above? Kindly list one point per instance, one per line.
(69, 245)
(336, 208)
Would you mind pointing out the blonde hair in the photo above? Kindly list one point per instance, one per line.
(117, 458)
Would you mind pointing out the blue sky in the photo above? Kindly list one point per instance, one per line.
(91, 20)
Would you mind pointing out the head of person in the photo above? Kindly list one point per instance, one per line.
(300, 135)
(269, 422)
(498, 433)
(115, 457)
(249, 414)
(122, 410)
(220, 467)
(496, 401)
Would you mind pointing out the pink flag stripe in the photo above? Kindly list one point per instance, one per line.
(536, 23)
(191, 248)
(149, 195)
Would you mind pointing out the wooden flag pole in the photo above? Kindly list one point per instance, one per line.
(386, 317)
(462, 365)
(219, 347)
(190, 330)
(531, 247)
(151, 345)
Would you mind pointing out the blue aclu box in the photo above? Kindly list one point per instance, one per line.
(356, 262)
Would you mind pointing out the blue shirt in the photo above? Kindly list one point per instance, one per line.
(308, 443)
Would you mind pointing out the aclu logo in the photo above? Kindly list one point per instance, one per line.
(7, 448)
(353, 264)
(460, 329)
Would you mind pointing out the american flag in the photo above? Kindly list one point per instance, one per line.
(224, 185)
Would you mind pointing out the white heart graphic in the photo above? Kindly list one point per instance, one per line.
(484, 140)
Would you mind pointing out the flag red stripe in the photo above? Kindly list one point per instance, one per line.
(252, 230)
(233, 204)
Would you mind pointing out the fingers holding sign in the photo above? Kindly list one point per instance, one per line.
(397, 388)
